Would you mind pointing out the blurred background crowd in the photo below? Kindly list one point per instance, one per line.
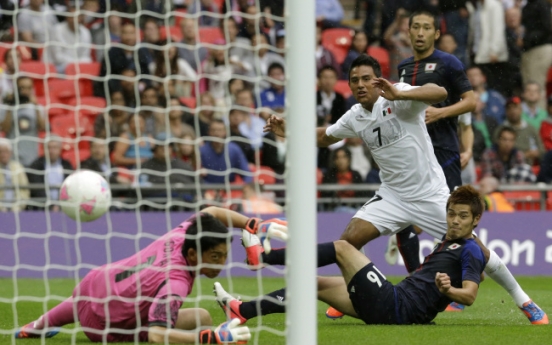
(176, 93)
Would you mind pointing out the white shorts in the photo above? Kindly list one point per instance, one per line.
(389, 214)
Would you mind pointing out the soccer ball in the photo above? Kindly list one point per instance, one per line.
(85, 196)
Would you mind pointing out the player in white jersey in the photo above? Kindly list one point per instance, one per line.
(391, 121)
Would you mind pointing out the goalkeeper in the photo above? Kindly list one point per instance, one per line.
(139, 298)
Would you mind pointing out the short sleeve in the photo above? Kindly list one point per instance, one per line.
(24, 23)
(164, 309)
(409, 107)
(473, 262)
(457, 77)
(465, 119)
(343, 128)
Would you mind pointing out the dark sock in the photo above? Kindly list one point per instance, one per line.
(271, 303)
(409, 247)
(326, 255)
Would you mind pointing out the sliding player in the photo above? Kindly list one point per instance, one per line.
(452, 272)
(139, 298)
(391, 121)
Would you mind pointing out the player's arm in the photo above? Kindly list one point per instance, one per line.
(227, 217)
(277, 125)
(428, 93)
(227, 333)
(466, 139)
(465, 295)
(465, 105)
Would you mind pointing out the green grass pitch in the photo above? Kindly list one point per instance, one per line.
(493, 319)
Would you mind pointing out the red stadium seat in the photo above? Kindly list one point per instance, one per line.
(342, 87)
(210, 34)
(382, 55)
(84, 72)
(62, 89)
(89, 106)
(71, 126)
(189, 102)
(263, 175)
(172, 31)
(338, 41)
(524, 200)
(179, 15)
(39, 72)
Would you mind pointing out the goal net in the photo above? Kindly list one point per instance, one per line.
(167, 100)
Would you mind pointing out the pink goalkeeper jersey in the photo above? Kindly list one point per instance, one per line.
(145, 289)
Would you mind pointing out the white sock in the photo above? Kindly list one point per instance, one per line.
(501, 274)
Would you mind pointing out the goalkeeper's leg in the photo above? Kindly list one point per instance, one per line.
(61, 315)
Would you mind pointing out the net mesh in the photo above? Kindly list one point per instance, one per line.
(107, 92)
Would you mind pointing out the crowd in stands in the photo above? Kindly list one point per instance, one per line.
(177, 92)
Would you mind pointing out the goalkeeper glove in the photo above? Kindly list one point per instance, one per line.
(272, 228)
(227, 333)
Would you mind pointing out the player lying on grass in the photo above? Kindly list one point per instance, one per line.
(139, 298)
(452, 272)
(390, 119)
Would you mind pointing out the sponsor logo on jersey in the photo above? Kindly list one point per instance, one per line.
(353, 289)
(430, 67)
(454, 246)
(386, 111)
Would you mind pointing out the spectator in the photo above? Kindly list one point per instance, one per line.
(186, 150)
(329, 13)
(235, 118)
(252, 126)
(133, 146)
(545, 173)
(527, 137)
(494, 104)
(546, 128)
(189, 47)
(264, 58)
(340, 172)
(505, 162)
(330, 105)
(99, 162)
(35, 23)
(361, 159)
(151, 111)
(494, 199)
(50, 170)
(456, 20)
(275, 96)
(163, 169)
(23, 119)
(533, 112)
(178, 69)
(537, 43)
(114, 122)
(274, 153)
(250, 25)
(115, 27)
(239, 47)
(209, 11)
(216, 153)
(280, 43)
(218, 72)
(324, 57)
(397, 40)
(151, 37)
(162, 8)
(177, 128)
(488, 37)
(70, 41)
(484, 127)
(12, 61)
(205, 113)
(128, 87)
(12, 175)
(514, 40)
(256, 202)
(131, 57)
(359, 45)
(238, 7)
(235, 85)
(448, 44)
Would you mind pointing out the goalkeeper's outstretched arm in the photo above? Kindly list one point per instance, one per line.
(227, 333)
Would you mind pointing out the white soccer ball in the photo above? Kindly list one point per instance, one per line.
(85, 196)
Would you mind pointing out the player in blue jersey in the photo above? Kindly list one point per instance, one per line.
(452, 272)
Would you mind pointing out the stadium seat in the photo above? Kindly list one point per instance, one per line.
(189, 102)
(71, 126)
(89, 106)
(172, 31)
(342, 87)
(39, 72)
(179, 15)
(549, 82)
(382, 55)
(210, 34)
(338, 42)
(62, 90)
(84, 72)
(263, 175)
(524, 200)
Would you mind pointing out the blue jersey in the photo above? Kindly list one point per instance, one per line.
(419, 299)
(447, 71)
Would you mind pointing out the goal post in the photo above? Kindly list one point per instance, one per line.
(301, 320)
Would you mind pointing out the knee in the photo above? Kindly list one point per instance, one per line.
(204, 318)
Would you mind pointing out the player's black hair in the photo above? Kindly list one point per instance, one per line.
(275, 65)
(467, 195)
(506, 129)
(327, 68)
(366, 60)
(205, 232)
(436, 23)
